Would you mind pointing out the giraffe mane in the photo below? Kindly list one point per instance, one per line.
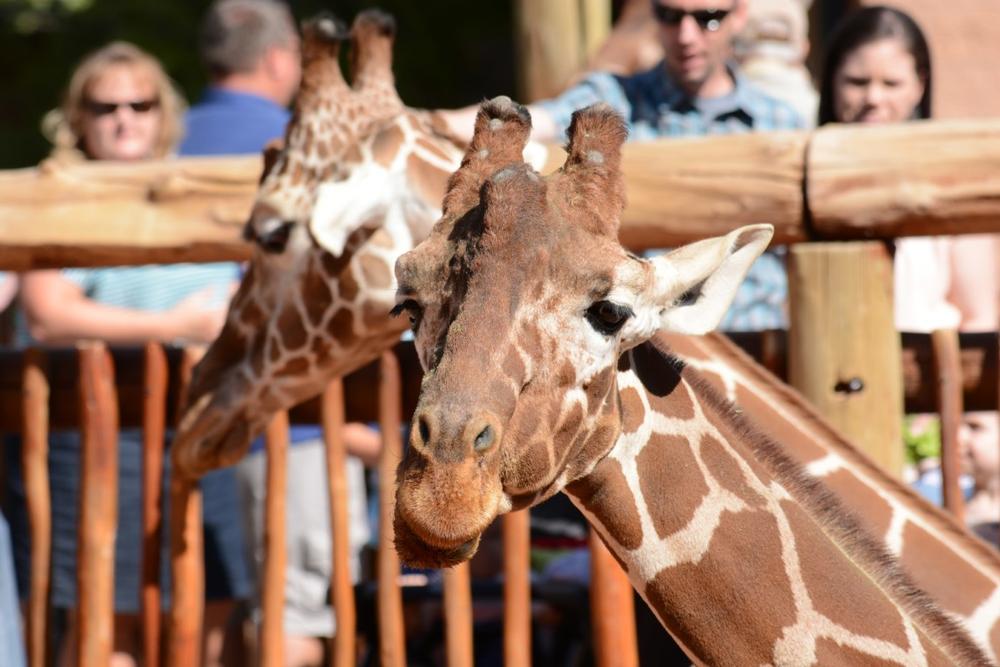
(835, 520)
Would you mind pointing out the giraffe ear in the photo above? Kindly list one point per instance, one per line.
(698, 281)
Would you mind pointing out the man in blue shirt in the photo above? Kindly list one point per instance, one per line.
(251, 50)
(695, 90)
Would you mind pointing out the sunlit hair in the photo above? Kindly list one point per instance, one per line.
(867, 25)
(64, 127)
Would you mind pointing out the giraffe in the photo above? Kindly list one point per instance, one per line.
(236, 387)
(533, 326)
(956, 568)
(358, 180)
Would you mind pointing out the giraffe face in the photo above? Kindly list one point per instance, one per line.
(522, 303)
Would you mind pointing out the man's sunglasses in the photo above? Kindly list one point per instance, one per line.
(708, 19)
(105, 108)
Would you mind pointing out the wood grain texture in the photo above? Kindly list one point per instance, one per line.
(843, 348)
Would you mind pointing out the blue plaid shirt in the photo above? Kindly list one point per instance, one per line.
(656, 107)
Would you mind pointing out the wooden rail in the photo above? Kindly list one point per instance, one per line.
(938, 368)
(838, 182)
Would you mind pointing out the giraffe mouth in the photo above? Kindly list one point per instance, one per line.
(209, 438)
(417, 552)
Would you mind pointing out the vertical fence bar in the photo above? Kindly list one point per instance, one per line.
(516, 589)
(35, 464)
(272, 634)
(392, 647)
(611, 609)
(98, 505)
(187, 608)
(344, 650)
(458, 615)
(153, 429)
(948, 376)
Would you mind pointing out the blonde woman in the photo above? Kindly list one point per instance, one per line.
(121, 105)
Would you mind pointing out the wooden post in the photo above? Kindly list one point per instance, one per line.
(554, 39)
(344, 650)
(272, 635)
(612, 611)
(98, 506)
(843, 348)
(392, 648)
(35, 464)
(187, 609)
(948, 374)
(516, 589)
(458, 616)
(153, 430)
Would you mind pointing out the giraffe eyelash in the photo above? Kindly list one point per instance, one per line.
(411, 307)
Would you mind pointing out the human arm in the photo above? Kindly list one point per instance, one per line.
(974, 287)
(58, 312)
(458, 124)
(363, 442)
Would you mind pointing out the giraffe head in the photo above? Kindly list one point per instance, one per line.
(522, 301)
(355, 182)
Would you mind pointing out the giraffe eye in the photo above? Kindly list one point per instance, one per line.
(608, 317)
(412, 308)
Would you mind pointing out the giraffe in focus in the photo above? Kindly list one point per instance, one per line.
(358, 181)
(533, 326)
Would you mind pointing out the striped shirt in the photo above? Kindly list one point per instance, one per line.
(155, 287)
(655, 107)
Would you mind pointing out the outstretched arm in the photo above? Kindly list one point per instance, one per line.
(58, 311)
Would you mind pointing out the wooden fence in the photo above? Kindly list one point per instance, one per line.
(99, 391)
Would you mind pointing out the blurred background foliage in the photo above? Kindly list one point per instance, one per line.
(436, 64)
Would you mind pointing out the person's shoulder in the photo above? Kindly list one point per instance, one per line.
(768, 112)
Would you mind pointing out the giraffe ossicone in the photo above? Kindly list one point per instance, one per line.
(533, 326)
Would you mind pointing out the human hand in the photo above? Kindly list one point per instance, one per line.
(198, 317)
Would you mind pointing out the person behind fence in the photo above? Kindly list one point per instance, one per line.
(878, 70)
(121, 105)
(696, 90)
(250, 49)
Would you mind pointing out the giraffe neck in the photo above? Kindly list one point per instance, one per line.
(958, 570)
(743, 558)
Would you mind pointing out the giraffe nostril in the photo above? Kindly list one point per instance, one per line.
(484, 439)
(275, 238)
(424, 429)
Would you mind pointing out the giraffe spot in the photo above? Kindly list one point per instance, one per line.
(316, 295)
(568, 428)
(342, 326)
(273, 349)
(333, 265)
(322, 150)
(434, 149)
(347, 286)
(291, 328)
(386, 145)
(513, 366)
(375, 271)
(594, 448)
(660, 380)
(257, 355)
(597, 390)
(756, 403)
(670, 481)
(565, 376)
(429, 182)
(724, 469)
(373, 315)
(604, 492)
(321, 349)
(252, 315)
(737, 590)
(353, 155)
(868, 506)
(298, 174)
(837, 585)
(948, 578)
(294, 366)
(633, 410)
(829, 652)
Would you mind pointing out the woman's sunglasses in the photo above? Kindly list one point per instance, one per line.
(105, 108)
(708, 19)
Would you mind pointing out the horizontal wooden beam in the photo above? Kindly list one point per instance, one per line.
(839, 182)
(979, 354)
